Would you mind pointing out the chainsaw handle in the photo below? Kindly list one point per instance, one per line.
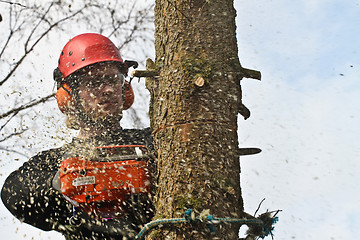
(117, 228)
(56, 183)
(122, 158)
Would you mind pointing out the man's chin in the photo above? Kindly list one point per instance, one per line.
(110, 119)
(106, 118)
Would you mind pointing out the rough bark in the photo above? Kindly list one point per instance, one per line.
(194, 106)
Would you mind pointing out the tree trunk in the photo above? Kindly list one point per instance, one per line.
(195, 101)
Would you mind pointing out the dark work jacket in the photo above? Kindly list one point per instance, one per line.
(29, 195)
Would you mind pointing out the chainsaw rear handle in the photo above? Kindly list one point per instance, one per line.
(122, 227)
(122, 158)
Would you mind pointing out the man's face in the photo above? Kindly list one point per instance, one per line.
(100, 92)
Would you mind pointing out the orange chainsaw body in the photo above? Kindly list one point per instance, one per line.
(103, 185)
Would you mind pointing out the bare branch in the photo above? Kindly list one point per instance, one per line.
(129, 38)
(12, 29)
(17, 64)
(25, 106)
(7, 121)
(120, 23)
(36, 26)
(13, 151)
(259, 206)
(13, 134)
(6, 43)
(139, 19)
(13, 3)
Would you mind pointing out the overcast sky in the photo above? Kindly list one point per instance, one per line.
(304, 117)
(305, 114)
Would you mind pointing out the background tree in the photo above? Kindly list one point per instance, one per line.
(195, 104)
(29, 27)
(32, 34)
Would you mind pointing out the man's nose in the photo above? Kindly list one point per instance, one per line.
(107, 88)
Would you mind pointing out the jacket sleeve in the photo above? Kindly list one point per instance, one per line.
(28, 193)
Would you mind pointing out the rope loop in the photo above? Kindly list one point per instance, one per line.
(189, 216)
(266, 222)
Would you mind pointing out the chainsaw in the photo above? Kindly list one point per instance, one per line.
(110, 183)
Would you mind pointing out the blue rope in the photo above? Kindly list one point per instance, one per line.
(268, 229)
(156, 223)
(210, 221)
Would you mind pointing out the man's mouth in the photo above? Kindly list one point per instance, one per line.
(107, 101)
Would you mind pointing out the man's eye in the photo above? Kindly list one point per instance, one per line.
(99, 81)
(116, 79)
(111, 80)
(94, 84)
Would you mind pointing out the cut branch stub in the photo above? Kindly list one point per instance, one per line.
(250, 73)
(199, 81)
(145, 73)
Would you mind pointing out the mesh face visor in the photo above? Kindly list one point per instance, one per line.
(98, 81)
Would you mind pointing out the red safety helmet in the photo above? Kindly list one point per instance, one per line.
(81, 51)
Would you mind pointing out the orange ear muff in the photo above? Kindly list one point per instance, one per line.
(65, 101)
(129, 96)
